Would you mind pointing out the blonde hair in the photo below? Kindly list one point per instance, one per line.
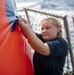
(56, 23)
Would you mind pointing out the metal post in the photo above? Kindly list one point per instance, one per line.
(69, 41)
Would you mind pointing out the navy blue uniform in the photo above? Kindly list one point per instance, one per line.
(54, 63)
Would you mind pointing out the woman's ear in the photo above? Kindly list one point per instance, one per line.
(58, 29)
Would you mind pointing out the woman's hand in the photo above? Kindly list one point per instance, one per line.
(24, 25)
(22, 22)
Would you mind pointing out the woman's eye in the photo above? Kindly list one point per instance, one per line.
(42, 28)
(47, 27)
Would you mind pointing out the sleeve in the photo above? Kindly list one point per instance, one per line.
(40, 37)
(58, 48)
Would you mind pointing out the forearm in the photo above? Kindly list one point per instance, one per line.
(36, 43)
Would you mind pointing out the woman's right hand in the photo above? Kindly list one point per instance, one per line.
(22, 22)
(24, 25)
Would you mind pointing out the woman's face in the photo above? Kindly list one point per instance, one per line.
(49, 31)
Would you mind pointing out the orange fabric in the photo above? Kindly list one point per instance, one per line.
(15, 54)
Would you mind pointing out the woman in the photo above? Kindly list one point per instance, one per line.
(50, 48)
